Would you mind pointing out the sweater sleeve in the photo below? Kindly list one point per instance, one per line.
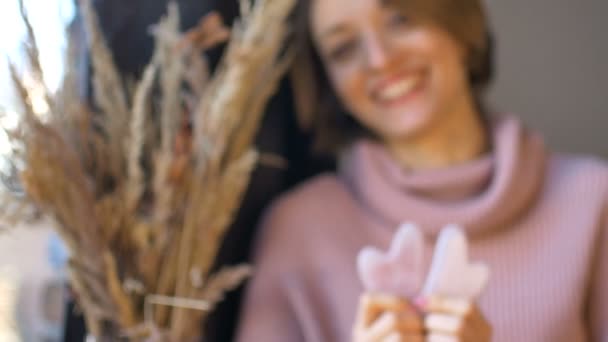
(599, 287)
(267, 314)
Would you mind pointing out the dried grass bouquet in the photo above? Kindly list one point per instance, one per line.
(143, 184)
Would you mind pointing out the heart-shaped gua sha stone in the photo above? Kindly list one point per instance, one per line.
(398, 271)
(451, 274)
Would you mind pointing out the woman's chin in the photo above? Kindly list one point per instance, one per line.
(407, 126)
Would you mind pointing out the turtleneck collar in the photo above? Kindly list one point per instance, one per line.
(483, 194)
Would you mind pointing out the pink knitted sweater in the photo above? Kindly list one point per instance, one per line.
(539, 220)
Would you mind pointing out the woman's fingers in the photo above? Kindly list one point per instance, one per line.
(394, 337)
(390, 323)
(443, 323)
(398, 337)
(382, 328)
(371, 306)
(452, 306)
(454, 319)
(438, 337)
(383, 318)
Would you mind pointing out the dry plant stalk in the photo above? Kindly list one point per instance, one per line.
(143, 188)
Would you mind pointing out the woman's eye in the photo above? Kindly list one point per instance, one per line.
(397, 19)
(343, 50)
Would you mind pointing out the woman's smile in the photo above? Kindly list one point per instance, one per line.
(396, 91)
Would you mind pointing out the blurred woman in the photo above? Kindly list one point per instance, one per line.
(397, 91)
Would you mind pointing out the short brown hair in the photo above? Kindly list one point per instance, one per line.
(318, 105)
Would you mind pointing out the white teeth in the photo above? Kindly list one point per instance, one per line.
(397, 89)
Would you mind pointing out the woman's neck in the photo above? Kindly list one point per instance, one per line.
(459, 137)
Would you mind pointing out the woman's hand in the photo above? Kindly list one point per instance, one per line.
(453, 320)
(383, 318)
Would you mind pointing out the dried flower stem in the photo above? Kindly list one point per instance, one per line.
(108, 89)
(137, 137)
(144, 186)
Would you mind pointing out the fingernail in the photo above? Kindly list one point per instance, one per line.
(421, 302)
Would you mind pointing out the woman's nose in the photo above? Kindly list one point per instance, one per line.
(377, 53)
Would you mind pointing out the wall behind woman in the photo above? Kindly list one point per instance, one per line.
(553, 69)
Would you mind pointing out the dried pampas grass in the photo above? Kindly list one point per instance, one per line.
(143, 186)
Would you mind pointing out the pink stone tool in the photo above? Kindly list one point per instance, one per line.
(398, 271)
(451, 274)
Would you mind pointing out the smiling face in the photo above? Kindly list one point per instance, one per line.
(398, 76)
